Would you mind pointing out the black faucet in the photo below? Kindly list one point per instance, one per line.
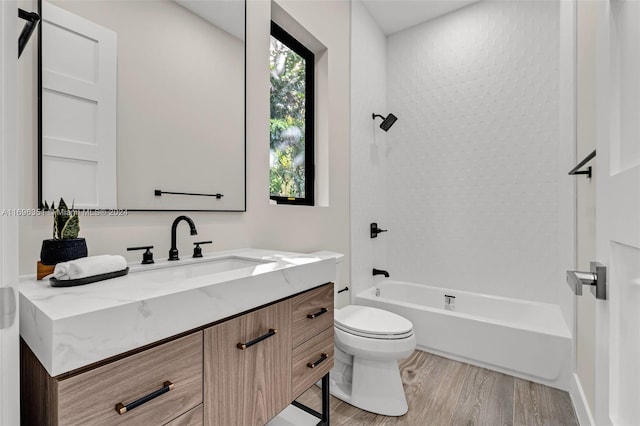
(173, 252)
(380, 272)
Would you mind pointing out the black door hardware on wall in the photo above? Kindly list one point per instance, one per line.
(147, 256)
(380, 272)
(158, 193)
(32, 19)
(374, 230)
(343, 290)
(197, 250)
(576, 170)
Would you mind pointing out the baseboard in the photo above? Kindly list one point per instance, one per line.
(579, 400)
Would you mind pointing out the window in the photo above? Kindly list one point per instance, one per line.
(291, 125)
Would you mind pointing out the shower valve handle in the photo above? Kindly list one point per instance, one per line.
(374, 230)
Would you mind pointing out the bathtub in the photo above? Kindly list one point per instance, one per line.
(524, 339)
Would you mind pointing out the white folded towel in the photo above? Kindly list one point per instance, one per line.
(89, 266)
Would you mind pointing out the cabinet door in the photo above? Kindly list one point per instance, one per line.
(248, 386)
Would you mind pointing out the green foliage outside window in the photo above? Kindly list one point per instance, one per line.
(287, 123)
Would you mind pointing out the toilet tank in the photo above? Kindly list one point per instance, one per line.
(340, 299)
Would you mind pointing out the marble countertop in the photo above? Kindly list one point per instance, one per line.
(72, 327)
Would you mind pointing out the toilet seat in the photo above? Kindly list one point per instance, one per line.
(373, 323)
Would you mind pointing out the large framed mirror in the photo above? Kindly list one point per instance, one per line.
(142, 104)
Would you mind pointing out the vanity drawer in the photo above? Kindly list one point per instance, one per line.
(311, 360)
(312, 313)
(91, 398)
(193, 417)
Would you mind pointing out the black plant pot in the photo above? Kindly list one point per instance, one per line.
(56, 251)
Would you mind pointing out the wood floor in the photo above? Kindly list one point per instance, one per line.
(442, 392)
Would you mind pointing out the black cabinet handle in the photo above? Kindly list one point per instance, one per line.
(244, 346)
(317, 314)
(323, 357)
(122, 408)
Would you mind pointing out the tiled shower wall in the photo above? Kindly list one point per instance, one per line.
(472, 178)
(368, 146)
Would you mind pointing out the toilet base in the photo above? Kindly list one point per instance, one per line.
(371, 385)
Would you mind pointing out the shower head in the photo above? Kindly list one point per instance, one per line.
(387, 121)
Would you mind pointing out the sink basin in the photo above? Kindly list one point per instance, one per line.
(199, 267)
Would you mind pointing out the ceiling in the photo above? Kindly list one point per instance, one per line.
(227, 15)
(396, 15)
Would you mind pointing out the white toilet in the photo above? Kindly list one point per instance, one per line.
(369, 342)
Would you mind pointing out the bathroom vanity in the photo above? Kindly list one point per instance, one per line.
(231, 339)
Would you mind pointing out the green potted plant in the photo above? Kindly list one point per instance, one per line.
(65, 244)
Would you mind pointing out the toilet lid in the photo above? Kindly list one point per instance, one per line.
(367, 321)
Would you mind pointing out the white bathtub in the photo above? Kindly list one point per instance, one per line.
(525, 339)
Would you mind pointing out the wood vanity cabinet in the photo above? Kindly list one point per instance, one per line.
(240, 371)
(293, 349)
(312, 338)
(91, 397)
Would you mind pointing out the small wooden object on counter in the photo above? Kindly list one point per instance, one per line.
(43, 270)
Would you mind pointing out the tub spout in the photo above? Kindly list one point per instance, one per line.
(380, 272)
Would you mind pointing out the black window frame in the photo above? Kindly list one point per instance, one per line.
(309, 127)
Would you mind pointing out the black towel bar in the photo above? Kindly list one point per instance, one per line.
(159, 193)
(576, 170)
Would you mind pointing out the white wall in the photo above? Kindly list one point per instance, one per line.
(294, 228)
(9, 335)
(300, 228)
(368, 147)
(473, 177)
(586, 209)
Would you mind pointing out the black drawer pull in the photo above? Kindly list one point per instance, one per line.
(317, 314)
(122, 408)
(244, 346)
(318, 362)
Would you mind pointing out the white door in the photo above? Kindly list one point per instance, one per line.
(79, 73)
(618, 213)
(9, 337)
